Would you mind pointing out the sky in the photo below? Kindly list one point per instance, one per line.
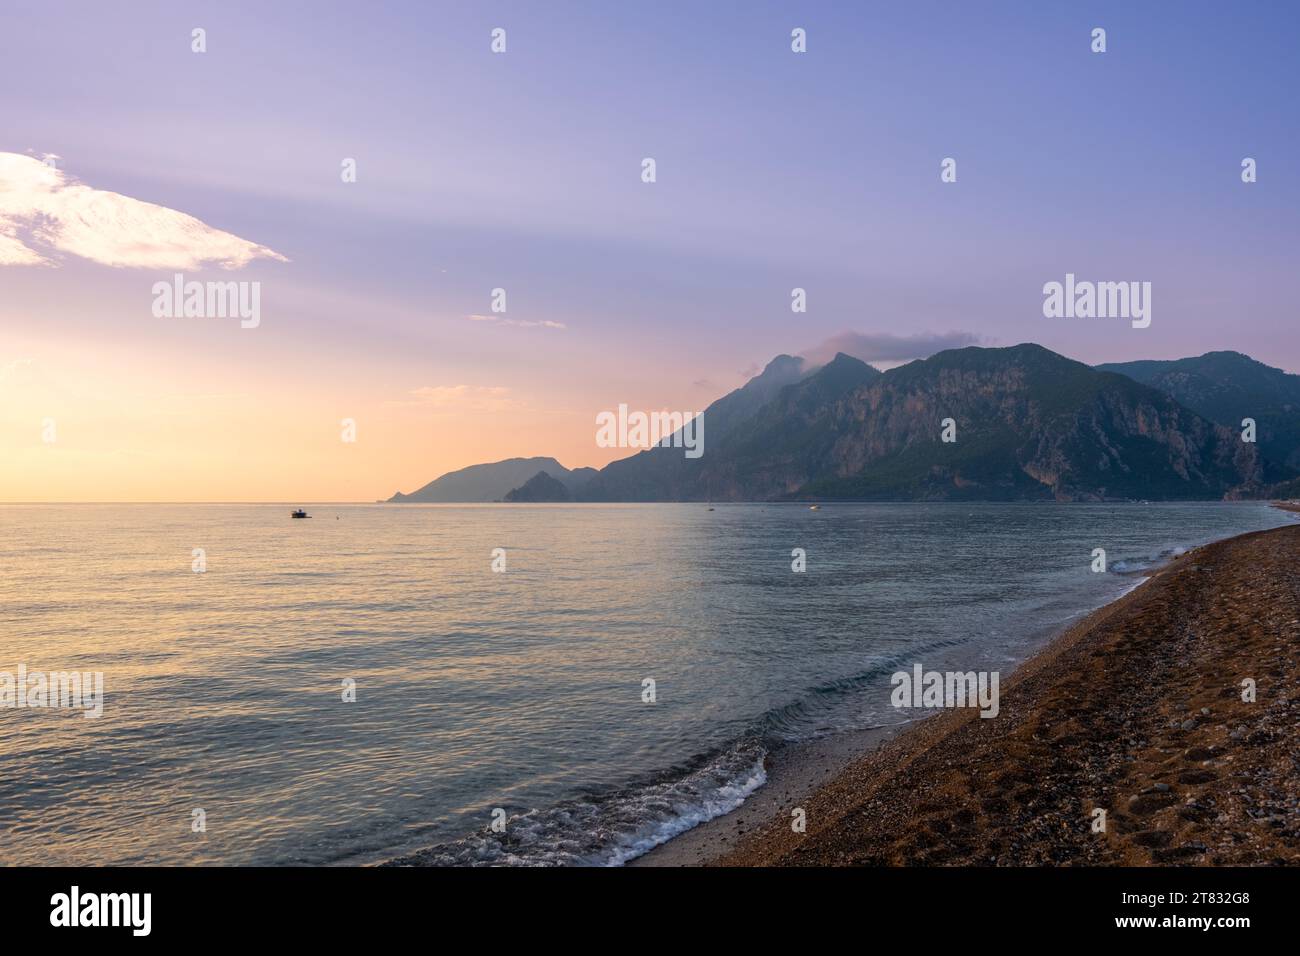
(126, 158)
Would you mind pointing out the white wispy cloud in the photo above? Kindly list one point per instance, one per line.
(518, 323)
(9, 370)
(44, 212)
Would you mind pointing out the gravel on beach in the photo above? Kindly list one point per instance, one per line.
(1136, 711)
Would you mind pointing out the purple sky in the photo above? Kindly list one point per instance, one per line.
(775, 170)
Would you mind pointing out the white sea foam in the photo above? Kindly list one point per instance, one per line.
(727, 798)
(613, 828)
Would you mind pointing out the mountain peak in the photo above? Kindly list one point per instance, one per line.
(489, 481)
(540, 487)
(840, 374)
(782, 366)
(1028, 356)
(844, 358)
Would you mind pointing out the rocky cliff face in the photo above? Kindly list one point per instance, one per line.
(664, 474)
(1028, 424)
(1226, 387)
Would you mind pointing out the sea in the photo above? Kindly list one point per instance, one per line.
(498, 684)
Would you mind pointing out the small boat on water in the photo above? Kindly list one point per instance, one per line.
(814, 507)
(299, 513)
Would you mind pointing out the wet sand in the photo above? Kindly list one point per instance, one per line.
(1136, 710)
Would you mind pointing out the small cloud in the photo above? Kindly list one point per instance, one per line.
(43, 211)
(518, 323)
(886, 348)
(14, 253)
(12, 370)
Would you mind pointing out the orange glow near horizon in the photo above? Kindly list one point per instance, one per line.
(128, 426)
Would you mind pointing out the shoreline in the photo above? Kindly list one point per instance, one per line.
(1024, 791)
(797, 770)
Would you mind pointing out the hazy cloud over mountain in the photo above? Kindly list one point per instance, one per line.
(887, 348)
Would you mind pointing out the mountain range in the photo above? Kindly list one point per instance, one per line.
(1226, 387)
(1022, 423)
(493, 481)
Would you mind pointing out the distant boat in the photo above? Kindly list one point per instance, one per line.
(299, 514)
(814, 507)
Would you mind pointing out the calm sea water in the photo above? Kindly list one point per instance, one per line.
(478, 690)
